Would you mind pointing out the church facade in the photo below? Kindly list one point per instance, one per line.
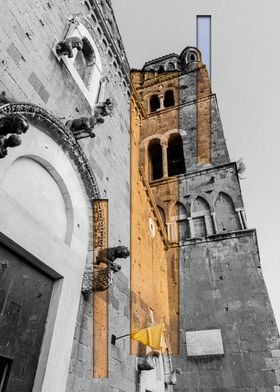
(96, 164)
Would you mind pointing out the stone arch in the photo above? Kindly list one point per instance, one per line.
(178, 228)
(166, 136)
(49, 144)
(170, 66)
(64, 138)
(18, 182)
(201, 217)
(226, 216)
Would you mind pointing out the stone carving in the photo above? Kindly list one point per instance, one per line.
(83, 127)
(13, 124)
(65, 48)
(109, 255)
(100, 277)
(103, 109)
(171, 378)
(147, 362)
(3, 98)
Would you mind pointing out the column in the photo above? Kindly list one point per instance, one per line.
(192, 234)
(214, 221)
(161, 102)
(164, 159)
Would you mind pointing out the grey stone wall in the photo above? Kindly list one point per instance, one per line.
(221, 287)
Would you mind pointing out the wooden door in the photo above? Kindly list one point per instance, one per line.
(25, 294)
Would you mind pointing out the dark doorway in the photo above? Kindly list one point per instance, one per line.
(155, 155)
(25, 294)
(175, 156)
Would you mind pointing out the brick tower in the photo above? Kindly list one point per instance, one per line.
(222, 328)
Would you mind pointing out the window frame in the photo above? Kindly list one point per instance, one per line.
(91, 90)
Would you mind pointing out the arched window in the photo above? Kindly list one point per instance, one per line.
(161, 69)
(84, 61)
(175, 156)
(169, 98)
(201, 218)
(86, 65)
(193, 57)
(227, 219)
(155, 159)
(154, 103)
(170, 66)
(179, 229)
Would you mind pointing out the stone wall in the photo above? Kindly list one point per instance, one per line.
(222, 288)
(30, 72)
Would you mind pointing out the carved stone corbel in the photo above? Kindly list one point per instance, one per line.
(65, 47)
(100, 276)
(171, 378)
(147, 362)
(11, 126)
(82, 127)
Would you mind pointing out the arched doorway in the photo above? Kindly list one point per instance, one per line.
(46, 189)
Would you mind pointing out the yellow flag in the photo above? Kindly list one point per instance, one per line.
(151, 336)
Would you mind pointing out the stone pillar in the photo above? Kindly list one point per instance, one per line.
(146, 163)
(243, 218)
(214, 221)
(103, 83)
(164, 159)
(192, 234)
(161, 102)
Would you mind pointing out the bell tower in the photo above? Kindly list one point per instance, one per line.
(222, 328)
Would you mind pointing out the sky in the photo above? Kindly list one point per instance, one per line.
(245, 77)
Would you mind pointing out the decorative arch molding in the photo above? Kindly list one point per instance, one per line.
(172, 206)
(233, 198)
(203, 196)
(49, 124)
(69, 266)
(164, 137)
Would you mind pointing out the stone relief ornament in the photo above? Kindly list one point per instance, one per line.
(82, 127)
(11, 126)
(171, 378)
(147, 362)
(101, 276)
(65, 48)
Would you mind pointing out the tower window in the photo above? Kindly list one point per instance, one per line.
(169, 99)
(192, 57)
(155, 155)
(84, 62)
(175, 156)
(170, 66)
(154, 103)
(201, 217)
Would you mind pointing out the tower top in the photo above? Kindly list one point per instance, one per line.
(189, 59)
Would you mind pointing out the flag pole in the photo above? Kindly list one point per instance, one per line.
(114, 338)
